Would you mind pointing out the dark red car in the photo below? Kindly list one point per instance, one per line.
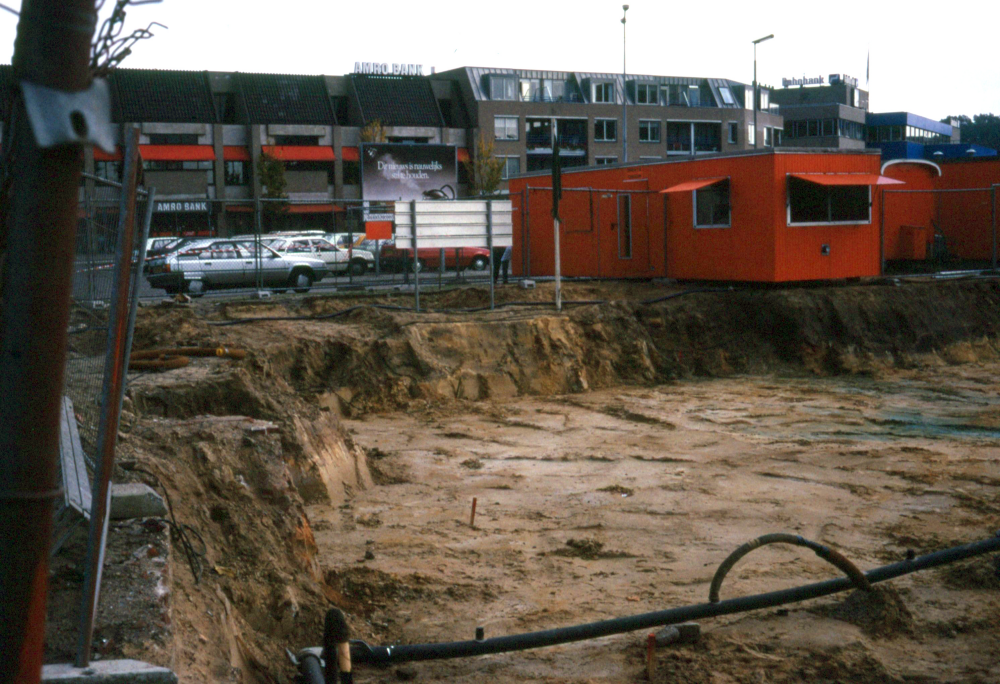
(473, 258)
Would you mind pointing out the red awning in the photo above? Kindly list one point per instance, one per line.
(847, 179)
(463, 154)
(350, 154)
(177, 152)
(310, 208)
(692, 185)
(300, 152)
(101, 155)
(235, 153)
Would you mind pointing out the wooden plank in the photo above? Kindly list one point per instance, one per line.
(76, 482)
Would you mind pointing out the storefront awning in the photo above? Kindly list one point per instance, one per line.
(177, 152)
(463, 154)
(350, 154)
(101, 155)
(687, 186)
(300, 152)
(847, 179)
(235, 153)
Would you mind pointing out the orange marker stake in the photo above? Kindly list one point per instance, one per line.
(472, 518)
(650, 656)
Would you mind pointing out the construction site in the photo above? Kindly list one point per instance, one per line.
(517, 470)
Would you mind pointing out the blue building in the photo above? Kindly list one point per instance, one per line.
(904, 135)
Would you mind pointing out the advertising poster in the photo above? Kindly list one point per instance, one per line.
(394, 172)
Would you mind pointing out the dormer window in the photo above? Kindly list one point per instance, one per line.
(646, 93)
(503, 87)
(727, 95)
(604, 92)
(765, 98)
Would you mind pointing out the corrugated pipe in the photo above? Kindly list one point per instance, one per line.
(167, 359)
(392, 655)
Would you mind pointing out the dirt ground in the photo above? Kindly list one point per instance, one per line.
(617, 452)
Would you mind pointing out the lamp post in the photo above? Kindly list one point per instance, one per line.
(624, 97)
(755, 98)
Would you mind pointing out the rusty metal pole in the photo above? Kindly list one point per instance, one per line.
(115, 365)
(52, 49)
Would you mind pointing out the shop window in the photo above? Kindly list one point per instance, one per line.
(173, 139)
(649, 131)
(503, 88)
(605, 130)
(646, 93)
(711, 206)
(603, 161)
(352, 173)
(511, 167)
(810, 203)
(624, 226)
(237, 173)
(604, 92)
(108, 170)
(734, 132)
(505, 127)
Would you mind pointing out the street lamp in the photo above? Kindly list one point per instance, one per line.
(624, 97)
(755, 96)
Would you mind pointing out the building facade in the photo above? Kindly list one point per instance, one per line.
(823, 116)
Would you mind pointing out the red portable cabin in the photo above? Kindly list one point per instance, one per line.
(965, 208)
(909, 213)
(765, 216)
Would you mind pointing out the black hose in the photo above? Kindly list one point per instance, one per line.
(829, 555)
(391, 655)
(310, 669)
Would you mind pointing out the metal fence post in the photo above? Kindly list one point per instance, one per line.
(114, 375)
(881, 236)
(416, 256)
(993, 219)
(489, 246)
(526, 257)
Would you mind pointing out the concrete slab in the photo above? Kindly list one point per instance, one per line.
(136, 500)
(109, 672)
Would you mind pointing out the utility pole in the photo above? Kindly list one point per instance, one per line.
(52, 49)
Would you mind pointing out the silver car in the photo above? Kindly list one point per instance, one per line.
(213, 263)
(338, 260)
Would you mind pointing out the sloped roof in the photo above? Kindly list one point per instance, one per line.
(285, 99)
(397, 100)
(161, 96)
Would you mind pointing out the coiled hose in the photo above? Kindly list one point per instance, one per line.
(831, 556)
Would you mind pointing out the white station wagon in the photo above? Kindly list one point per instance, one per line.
(337, 260)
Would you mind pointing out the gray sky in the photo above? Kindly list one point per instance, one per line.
(923, 58)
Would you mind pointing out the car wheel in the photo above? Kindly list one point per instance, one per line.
(195, 288)
(301, 281)
(357, 267)
(479, 263)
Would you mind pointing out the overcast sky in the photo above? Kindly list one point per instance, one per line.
(929, 60)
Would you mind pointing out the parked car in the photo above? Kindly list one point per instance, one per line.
(210, 264)
(474, 258)
(160, 246)
(337, 260)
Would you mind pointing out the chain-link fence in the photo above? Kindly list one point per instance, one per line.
(101, 265)
(932, 231)
(270, 247)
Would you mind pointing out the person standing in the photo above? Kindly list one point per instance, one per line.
(505, 263)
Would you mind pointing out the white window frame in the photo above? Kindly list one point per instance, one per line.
(658, 139)
(601, 86)
(694, 209)
(507, 120)
(788, 210)
(606, 139)
(734, 132)
(602, 160)
(751, 134)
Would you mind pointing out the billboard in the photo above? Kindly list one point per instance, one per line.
(393, 172)
(469, 223)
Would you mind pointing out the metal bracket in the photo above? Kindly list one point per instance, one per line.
(61, 118)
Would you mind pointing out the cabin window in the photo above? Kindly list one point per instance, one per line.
(812, 203)
(711, 206)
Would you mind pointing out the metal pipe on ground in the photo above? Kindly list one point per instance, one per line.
(392, 655)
